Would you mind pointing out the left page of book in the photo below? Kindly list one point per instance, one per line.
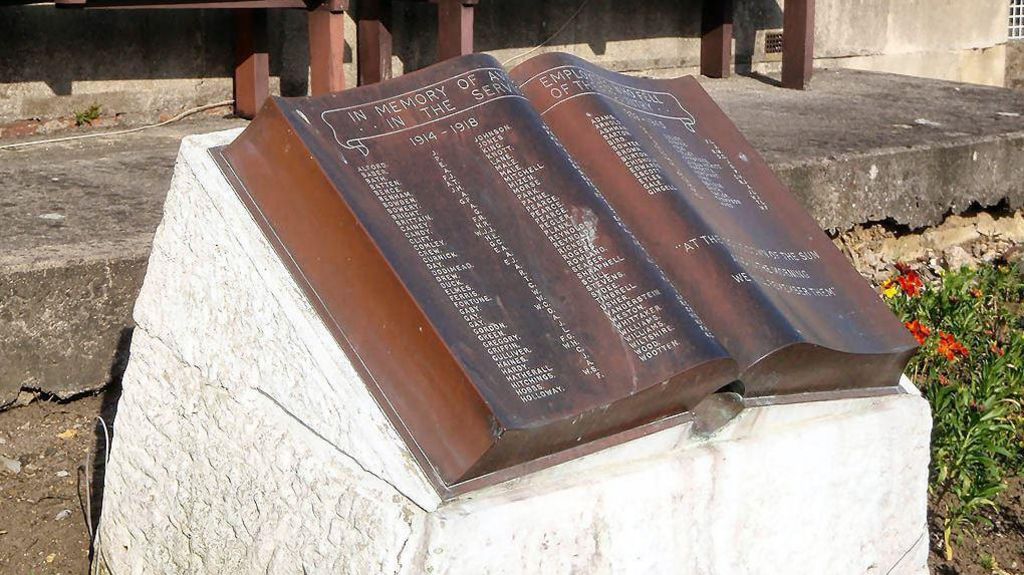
(544, 300)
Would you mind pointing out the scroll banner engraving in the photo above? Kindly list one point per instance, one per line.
(564, 83)
(418, 108)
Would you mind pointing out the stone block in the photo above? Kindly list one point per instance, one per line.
(245, 442)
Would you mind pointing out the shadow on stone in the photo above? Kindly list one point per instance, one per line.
(764, 78)
(92, 480)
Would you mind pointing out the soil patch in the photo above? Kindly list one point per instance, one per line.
(996, 549)
(46, 448)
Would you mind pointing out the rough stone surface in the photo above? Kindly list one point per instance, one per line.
(217, 296)
(245, 443)
(204, 479)
(76, 221)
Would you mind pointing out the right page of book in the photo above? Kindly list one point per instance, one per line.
(706, 206)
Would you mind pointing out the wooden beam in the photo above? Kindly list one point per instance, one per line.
(797, 43)
(374, 41)
(716, 38)
(252, 63)
(454, 28)
(326, 51)
(177, 4)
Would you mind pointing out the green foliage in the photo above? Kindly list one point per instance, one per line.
(989, 563)
(88, 115)
(975, 390)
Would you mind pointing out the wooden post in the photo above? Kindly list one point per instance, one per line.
(326, 50)
(716, 38)
(374, 41)
(797, 43)
(252, 64)
(454, 28)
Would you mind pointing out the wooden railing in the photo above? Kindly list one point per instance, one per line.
(454, 33)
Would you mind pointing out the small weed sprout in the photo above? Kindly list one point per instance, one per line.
(88, 115)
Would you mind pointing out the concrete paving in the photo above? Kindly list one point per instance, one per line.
(76, 219)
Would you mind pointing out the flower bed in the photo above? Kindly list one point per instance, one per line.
(970, 325)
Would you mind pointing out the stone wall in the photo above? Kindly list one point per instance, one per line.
(130, 61)
(945, 39)
(143, 63)
(1015, 64)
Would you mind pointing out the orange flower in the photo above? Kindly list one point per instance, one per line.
(910, 282)
(918, 330)
(976, 293)
(950, 347)
(997, 350)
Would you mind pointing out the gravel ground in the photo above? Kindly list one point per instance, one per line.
(46, 450)
(964, 240)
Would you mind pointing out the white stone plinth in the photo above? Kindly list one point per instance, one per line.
(245, 442)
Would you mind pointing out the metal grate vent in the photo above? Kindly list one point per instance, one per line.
(773, 40)
(1017, 19)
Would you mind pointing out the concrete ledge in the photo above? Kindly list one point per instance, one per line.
(66, 327)
(855, 148)
(916, 186)
(863, 147)
(76, 222)
(245, 442)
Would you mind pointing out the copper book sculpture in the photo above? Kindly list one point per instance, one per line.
(522, 263)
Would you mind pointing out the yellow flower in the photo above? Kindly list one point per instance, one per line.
(890, 288)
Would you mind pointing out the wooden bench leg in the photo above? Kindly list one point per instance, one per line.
(252, 64)
(454, 28)
(326, 51)
(716, 38)
(797, 43)
(374, 41)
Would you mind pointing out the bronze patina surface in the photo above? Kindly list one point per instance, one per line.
(775, 291)
(499, 307)
(551, 262)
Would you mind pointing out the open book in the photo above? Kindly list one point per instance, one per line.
(519, 263)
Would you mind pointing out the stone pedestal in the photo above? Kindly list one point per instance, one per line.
(245, 442)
